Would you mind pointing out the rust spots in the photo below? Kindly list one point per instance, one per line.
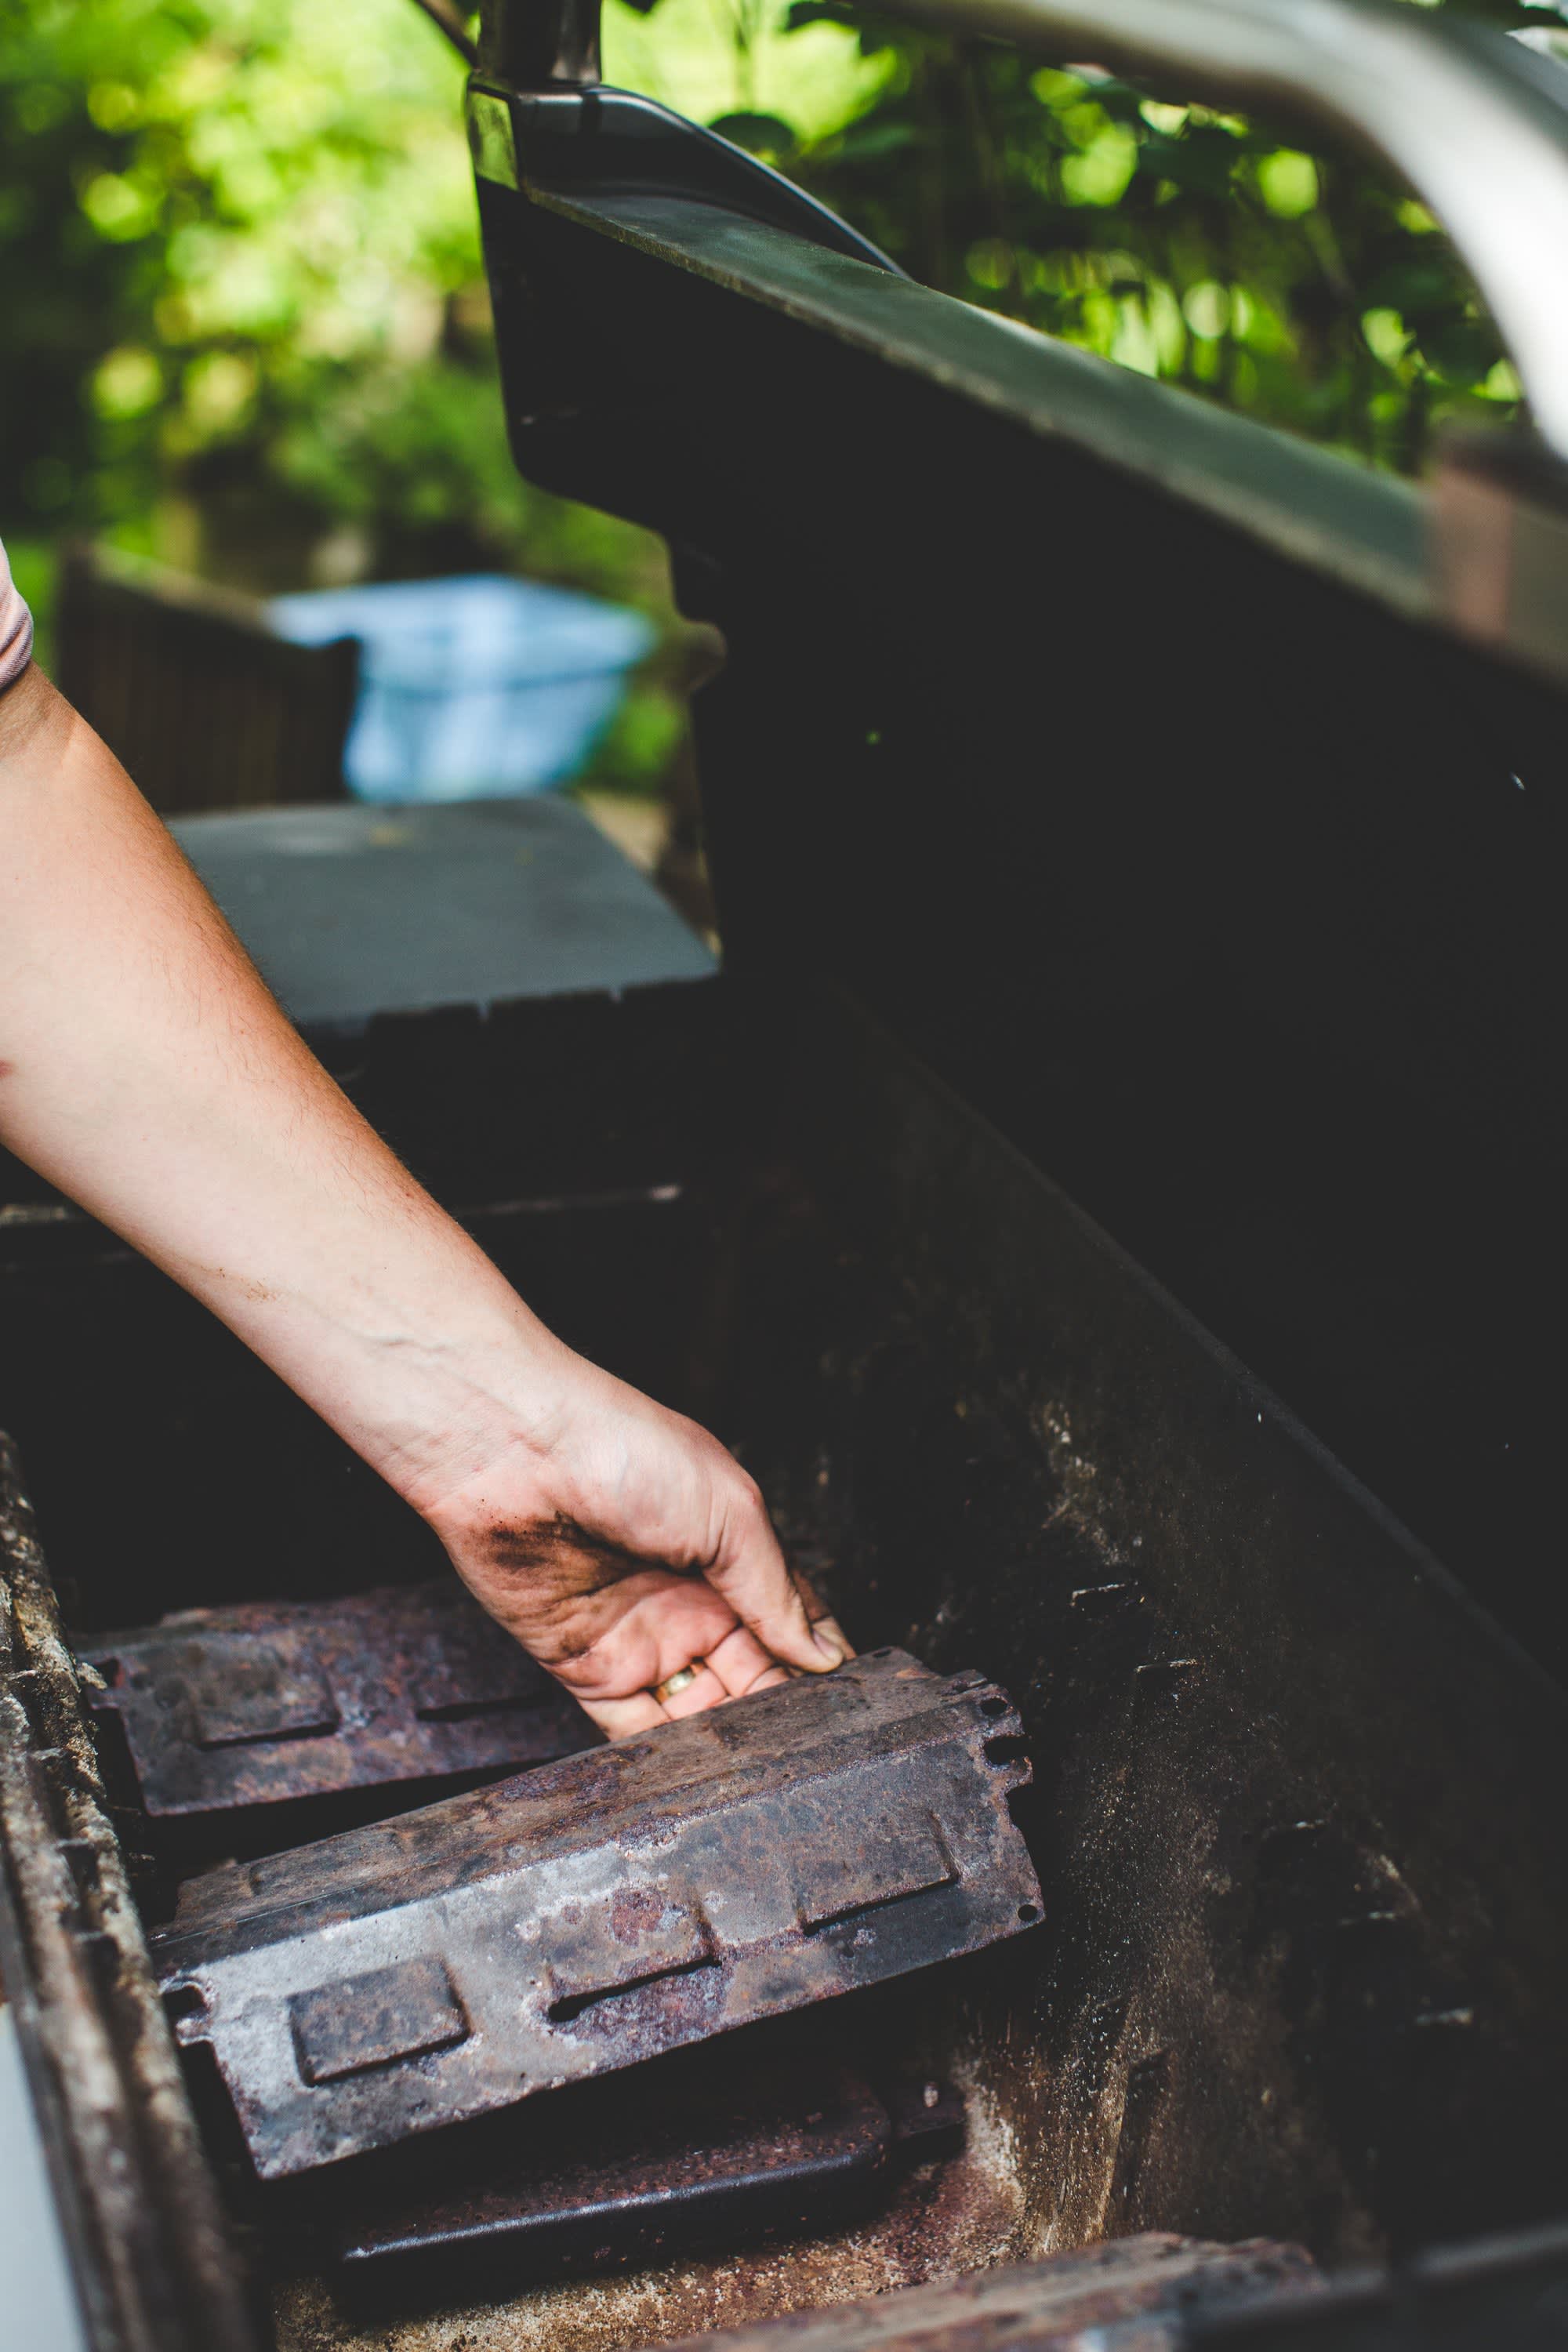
(835, 1832)
(227, 1709)
(964, 2214)
(636, 1912)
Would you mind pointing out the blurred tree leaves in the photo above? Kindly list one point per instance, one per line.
(247, 321)
(248, 329)
(212, 218)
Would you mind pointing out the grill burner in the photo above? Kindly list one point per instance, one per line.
(737, 1864)
(270, 1703)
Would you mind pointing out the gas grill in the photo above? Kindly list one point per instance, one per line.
(1110, 1201)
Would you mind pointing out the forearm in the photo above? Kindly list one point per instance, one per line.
(146, 1071)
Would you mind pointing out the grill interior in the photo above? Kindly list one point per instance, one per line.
(1270, 1998)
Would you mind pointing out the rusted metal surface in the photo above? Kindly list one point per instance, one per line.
(961, 2211)
(150, 2253)
(725, 2151)
(270, 1703)
(1134, 2295)
(739, 1865)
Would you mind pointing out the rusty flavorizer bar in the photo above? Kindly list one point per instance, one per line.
(275, 1702)
(740, 1863)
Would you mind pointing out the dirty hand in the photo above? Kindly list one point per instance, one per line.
(623, 1547)
(145, 1070)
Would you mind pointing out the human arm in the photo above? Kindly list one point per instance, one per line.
(146, 1071)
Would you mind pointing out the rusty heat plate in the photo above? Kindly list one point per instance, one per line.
(271, 1703)
(726, 2154)
(739, 1864)
(1134, 2295)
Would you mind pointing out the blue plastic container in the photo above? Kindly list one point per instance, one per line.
(471, 688)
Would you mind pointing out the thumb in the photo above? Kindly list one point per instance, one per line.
(750, 1571)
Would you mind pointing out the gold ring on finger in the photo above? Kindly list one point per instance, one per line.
(674, 1684)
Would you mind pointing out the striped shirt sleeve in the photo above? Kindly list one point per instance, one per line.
(15, 629)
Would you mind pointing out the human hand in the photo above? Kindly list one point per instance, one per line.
(623, 1546)
(145, 1070)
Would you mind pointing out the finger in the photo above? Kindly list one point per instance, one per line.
(706, 1691)
(775, 1678)
(749, 1570)
(817, 1610)
(623, 1718)
(633, 1636)
(741, 1663)
(823, 1625)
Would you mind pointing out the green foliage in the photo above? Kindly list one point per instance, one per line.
(721, 61)
(208, 212)
(247, 326)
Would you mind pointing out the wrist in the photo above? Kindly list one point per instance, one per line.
(483, 1435)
